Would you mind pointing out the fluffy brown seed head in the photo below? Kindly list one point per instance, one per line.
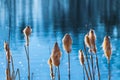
(81, 57)
(107, 47)
(67, 42)
(50, 62)
(27, 31)
(56, 54)
(87, 41)
(92, 37)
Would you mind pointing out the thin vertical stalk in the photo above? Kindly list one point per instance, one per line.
(68, 66)
(109, 70)
(58, 73)
(88, 65)
(17, 73)
(28, 64)
(97, 67)
(92, 64)
(32, 76)
(13, 71)
(86, 72)
(83, 74)
(27, 55)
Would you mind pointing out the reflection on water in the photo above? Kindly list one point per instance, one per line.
(50, 18)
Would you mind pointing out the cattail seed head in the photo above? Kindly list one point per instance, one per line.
(81, 57)
(50, 62)
(67, 42)
(87, 41)
(107, 47)
(56, 54)
(7, 50)
(92, 37)
(27, 31)
(51, 68)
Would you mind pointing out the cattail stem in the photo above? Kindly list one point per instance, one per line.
(58, 73)
(13, 71)
(109, 70)
(97, 67)
(83, 74)
(17, 73)
(55, 73)
(86, 72)
(68, 66)
(27, 55)
(32, 76)
(92, 64)
(88, 65)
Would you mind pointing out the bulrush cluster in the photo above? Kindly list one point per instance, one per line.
(67, 42)
(56, 54)
(51, 68)
(90, 39)
(81, 57)
(7, 50)
(27, 31)
(107, 47)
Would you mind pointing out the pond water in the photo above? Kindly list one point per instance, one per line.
(50, 20)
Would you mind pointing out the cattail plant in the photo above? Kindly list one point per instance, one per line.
(67, 42)
(107, 51)
(82, 61)
(27, 31)
(55, 57)
(87, 44)
(8, 58)
(51, 68)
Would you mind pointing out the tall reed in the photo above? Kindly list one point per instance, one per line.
(67, 43)
(82, 61)
(107, 51)
(27, 31)
(55, 57)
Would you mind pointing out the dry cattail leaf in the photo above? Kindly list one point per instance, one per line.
(51, 68)
(67, 42)
(87, 41)
(92, 37)
(107, 47)
(8, 77)
(81, 57)
(8, 55)
(27, 31)
(56, 54)
(6, 46)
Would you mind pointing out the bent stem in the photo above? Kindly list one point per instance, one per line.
(109, 70)
(86, 72)
(88, 65)
(58, 73)
(68, 66)
(17, 73)
(97, 67)
(28, 59)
